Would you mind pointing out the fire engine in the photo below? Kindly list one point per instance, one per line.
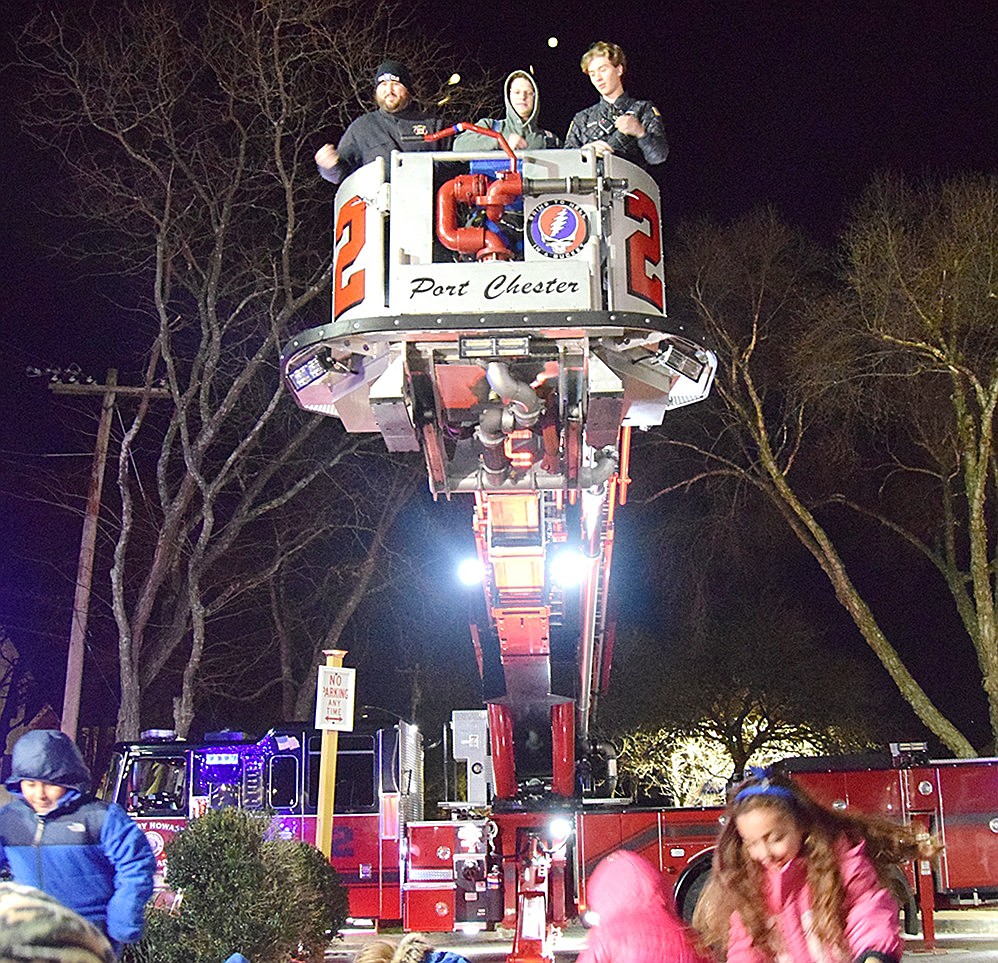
(455, 874)
(504, 315)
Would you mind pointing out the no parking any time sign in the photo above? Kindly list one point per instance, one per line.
(334, 698)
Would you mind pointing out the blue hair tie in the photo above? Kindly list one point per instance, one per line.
(763, 787)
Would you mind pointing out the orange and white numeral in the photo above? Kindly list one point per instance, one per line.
(351, 223)
(644, 250)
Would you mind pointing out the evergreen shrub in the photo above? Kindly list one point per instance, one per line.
(243, 891)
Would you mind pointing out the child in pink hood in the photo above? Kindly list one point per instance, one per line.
(636, 921)
(795, 882)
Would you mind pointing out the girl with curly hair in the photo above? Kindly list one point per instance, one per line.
(796, 882)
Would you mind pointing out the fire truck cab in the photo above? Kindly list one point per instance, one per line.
(164, 783)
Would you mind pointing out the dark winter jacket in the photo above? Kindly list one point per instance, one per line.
(86, 853)
(377, 134)
(597, 123)
(529, 129)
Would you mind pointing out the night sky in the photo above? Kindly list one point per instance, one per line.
(791, 104)
(794, 104)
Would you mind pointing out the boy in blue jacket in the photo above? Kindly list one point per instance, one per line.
(56, 836)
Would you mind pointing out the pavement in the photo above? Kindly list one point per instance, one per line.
(955, 948)
(962, 936)
(979, 921)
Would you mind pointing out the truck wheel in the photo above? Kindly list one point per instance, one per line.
(906, 900)
(690, 890)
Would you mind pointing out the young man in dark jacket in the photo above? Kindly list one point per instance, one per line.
(56, 836)
(617, 123)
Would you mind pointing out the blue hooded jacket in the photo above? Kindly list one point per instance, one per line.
(86, 853)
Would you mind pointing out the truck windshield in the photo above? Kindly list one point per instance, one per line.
(155, 786)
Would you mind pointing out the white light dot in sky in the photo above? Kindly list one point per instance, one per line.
(552, 41)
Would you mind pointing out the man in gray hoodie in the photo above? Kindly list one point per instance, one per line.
(519, 126)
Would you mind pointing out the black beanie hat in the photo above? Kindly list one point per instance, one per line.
(393, 70)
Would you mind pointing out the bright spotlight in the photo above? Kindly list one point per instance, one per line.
(470, 571)
(552, 42)
(559, 829)
(568, 567)
(454, 78)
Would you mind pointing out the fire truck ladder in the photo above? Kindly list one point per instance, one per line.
(594, 671)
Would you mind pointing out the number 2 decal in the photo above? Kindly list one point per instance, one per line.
(352, 223)
(644, 249)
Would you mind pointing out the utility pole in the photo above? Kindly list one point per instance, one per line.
(85, 567)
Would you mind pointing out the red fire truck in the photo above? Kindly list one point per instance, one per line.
(504, 314)
(464, 872)
(956, 799)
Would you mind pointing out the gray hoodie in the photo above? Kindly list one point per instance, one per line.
(537, 137)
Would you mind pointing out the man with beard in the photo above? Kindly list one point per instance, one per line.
(617, 124)
(395, 125)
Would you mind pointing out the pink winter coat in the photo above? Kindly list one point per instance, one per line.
(636, 920)
(871, 914)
